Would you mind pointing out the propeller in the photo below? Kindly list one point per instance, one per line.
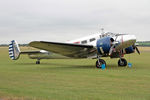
(111, 49)
(113, 45)
(136, 48)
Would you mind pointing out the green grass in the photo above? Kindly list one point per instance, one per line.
(74, 79)
(144, 43)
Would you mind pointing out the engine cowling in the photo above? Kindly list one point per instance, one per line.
(130, 49)
(103, 45)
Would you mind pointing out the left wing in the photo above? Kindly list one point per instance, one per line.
(66, 49)
(30, 52)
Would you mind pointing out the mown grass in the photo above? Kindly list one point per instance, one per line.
(74, 79)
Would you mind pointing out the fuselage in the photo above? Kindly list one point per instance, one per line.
(125, 39)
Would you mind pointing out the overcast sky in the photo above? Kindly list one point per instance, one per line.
(61, 20)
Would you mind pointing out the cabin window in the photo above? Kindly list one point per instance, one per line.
(92, 39)
(84, 42)
(100, 36)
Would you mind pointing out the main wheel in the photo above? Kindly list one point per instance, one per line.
(122, 62)
(99, 63)
(37, 62)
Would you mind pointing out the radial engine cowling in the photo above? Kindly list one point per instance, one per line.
(104, 45)
(129, 50)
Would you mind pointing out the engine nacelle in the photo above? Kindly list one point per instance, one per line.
(104, 45)
(130, 50)
(46, 55)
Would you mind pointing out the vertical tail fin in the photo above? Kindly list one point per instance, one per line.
(14, 50)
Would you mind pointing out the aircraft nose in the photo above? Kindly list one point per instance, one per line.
(126, 41)
(124, 38)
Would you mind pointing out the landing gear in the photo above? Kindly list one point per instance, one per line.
(99, 63)
(38, 62)
(122, 62)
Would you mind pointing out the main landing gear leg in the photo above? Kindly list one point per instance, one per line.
(122, 62)
(38, 61)
(100, 62)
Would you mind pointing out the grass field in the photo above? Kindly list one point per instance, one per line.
(74, 79)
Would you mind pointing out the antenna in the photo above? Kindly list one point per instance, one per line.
(102, 29)
(103, 33)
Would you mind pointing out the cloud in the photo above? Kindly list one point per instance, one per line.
(61, 20)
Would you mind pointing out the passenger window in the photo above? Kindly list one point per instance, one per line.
(92, 39)
(100, 36)
(84, 42)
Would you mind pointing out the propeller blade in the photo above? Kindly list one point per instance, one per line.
(111, 49)
(137, 50)
(113, 44)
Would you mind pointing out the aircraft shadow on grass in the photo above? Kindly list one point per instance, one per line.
(69, 66)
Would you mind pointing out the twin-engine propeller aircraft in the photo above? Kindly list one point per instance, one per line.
(94, 46)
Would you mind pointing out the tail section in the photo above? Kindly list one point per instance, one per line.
(14, 50)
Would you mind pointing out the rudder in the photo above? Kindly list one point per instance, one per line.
(14, 50)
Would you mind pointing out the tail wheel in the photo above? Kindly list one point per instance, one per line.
(37, 62)
(122, 62)
(99, 63)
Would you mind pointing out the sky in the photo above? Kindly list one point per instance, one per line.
(63, 20)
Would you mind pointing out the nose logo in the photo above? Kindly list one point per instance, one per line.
(101, 43)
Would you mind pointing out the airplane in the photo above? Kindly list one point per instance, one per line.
(95, 46)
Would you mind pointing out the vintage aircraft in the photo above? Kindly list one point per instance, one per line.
(94, 46)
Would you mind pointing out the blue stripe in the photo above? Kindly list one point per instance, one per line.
(11, 56)
(11, 50)
(10, 53)
(10, 47)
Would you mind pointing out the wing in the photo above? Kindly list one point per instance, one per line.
(66, 49)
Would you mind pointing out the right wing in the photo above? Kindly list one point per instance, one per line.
(66, 49)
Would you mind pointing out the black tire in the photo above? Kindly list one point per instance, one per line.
(37, 62)
(122, 63)
(101, 61)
